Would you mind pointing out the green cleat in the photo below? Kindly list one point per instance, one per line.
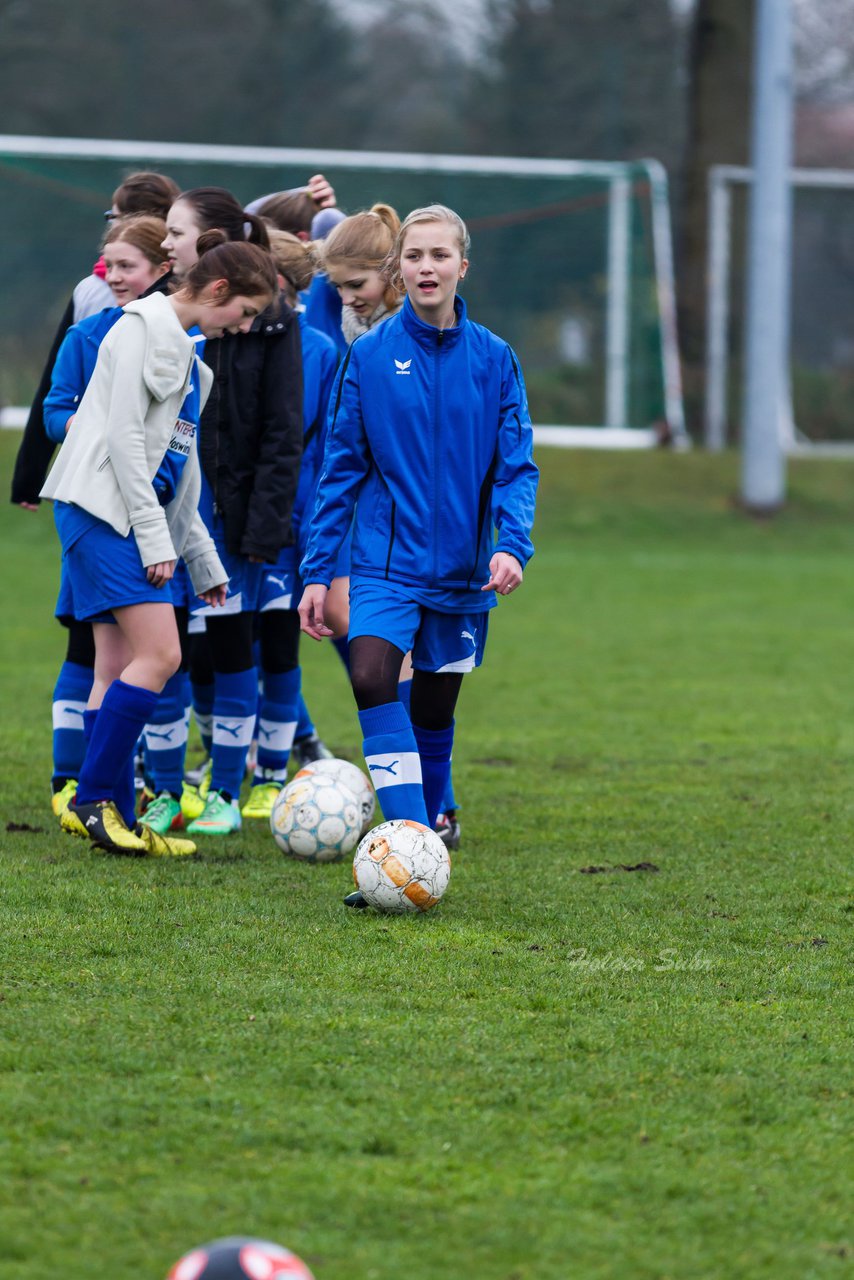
(163, 814)
(262, 797)
(220, 817)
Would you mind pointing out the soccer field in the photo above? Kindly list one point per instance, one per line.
(621, 1045)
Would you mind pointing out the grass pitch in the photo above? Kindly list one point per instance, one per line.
(620, 1047)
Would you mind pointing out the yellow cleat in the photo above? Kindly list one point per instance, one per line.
(60, 800)
(158, 846)
(102, 823)
(261, 800)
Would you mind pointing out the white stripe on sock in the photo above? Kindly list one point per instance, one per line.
(276, 735)
(68, 714)
(233, 731)
(165, 737)
(395, 769)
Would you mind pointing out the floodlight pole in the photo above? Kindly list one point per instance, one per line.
(769, 260)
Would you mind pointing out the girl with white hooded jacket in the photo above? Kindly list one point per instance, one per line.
(125, 487)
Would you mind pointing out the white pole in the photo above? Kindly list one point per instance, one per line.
(717, 309)
(619, 301)
(769, 236)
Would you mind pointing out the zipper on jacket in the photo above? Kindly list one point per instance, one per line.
(437, 416)
(219, 399)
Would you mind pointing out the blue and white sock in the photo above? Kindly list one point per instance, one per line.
(391, 754)
(70, 695)
(448, 802)
(235, 702)
(115, 728)
(277, 725)
(166, 738)
(434, 748)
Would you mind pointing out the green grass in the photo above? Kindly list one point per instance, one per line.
(555, 1074)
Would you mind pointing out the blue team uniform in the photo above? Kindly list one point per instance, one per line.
(429, 438)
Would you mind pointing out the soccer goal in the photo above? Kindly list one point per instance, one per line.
(571, 260)
(816, 415)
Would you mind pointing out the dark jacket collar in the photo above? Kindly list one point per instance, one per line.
(427, 334)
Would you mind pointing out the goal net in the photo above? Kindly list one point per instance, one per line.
(816, 415)
(571, 261)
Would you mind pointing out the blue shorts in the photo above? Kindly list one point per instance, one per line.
(102, 571)
(440, 642)
(281, 585)
(244, 585)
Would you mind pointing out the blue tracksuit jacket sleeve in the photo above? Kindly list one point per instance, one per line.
(69, 380)
(514, 487)
(346, 459)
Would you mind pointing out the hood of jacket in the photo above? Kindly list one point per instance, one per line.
(168, 348)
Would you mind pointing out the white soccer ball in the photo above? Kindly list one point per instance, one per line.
(353, 778)
(402, 866)
(316, 819)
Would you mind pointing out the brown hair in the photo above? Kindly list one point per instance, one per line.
(247, 268)
(289, 211)
(144, 233)
(295, 259)
(150, 193)
(363, 240)
(214, 207)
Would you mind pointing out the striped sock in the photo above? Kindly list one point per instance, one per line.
(276, 725)
(166, 738)
(70, 695)
(391, 754)
(234, 708)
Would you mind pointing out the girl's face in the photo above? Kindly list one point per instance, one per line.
(432, 266)
(182, 232)
(221, 314)
(129, 272)
(359, 288)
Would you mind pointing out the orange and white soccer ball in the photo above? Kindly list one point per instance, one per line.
(352, 777)
(316, 819)
(402, 866)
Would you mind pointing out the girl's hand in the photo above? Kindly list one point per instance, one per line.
(311, 611)
(159, 574)
(28, 506)
(321, 192)
(215, 595)
(506, 573)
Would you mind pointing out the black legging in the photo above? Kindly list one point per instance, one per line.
(375, 672)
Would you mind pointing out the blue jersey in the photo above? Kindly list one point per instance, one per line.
(429, 437)
(319, 364)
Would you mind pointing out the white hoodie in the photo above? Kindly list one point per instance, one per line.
(121, 431)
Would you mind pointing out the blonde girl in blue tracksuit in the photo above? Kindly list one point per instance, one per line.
(429, 439)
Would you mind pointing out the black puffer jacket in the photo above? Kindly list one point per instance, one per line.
(250, 439)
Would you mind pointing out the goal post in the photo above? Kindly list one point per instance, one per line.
(821, 349)
(572, 260)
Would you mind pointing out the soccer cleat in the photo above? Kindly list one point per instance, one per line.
(163, 814)
(60, 800)
(71, 824)
(160, 846)
(219, 818)
(307, 750)
(448, 830)
(192, 804)
(102, 823)
(357, 900)
(261, 800)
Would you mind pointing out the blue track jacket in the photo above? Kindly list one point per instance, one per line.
(430, 438)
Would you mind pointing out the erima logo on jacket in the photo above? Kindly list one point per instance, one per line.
(402, 366)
